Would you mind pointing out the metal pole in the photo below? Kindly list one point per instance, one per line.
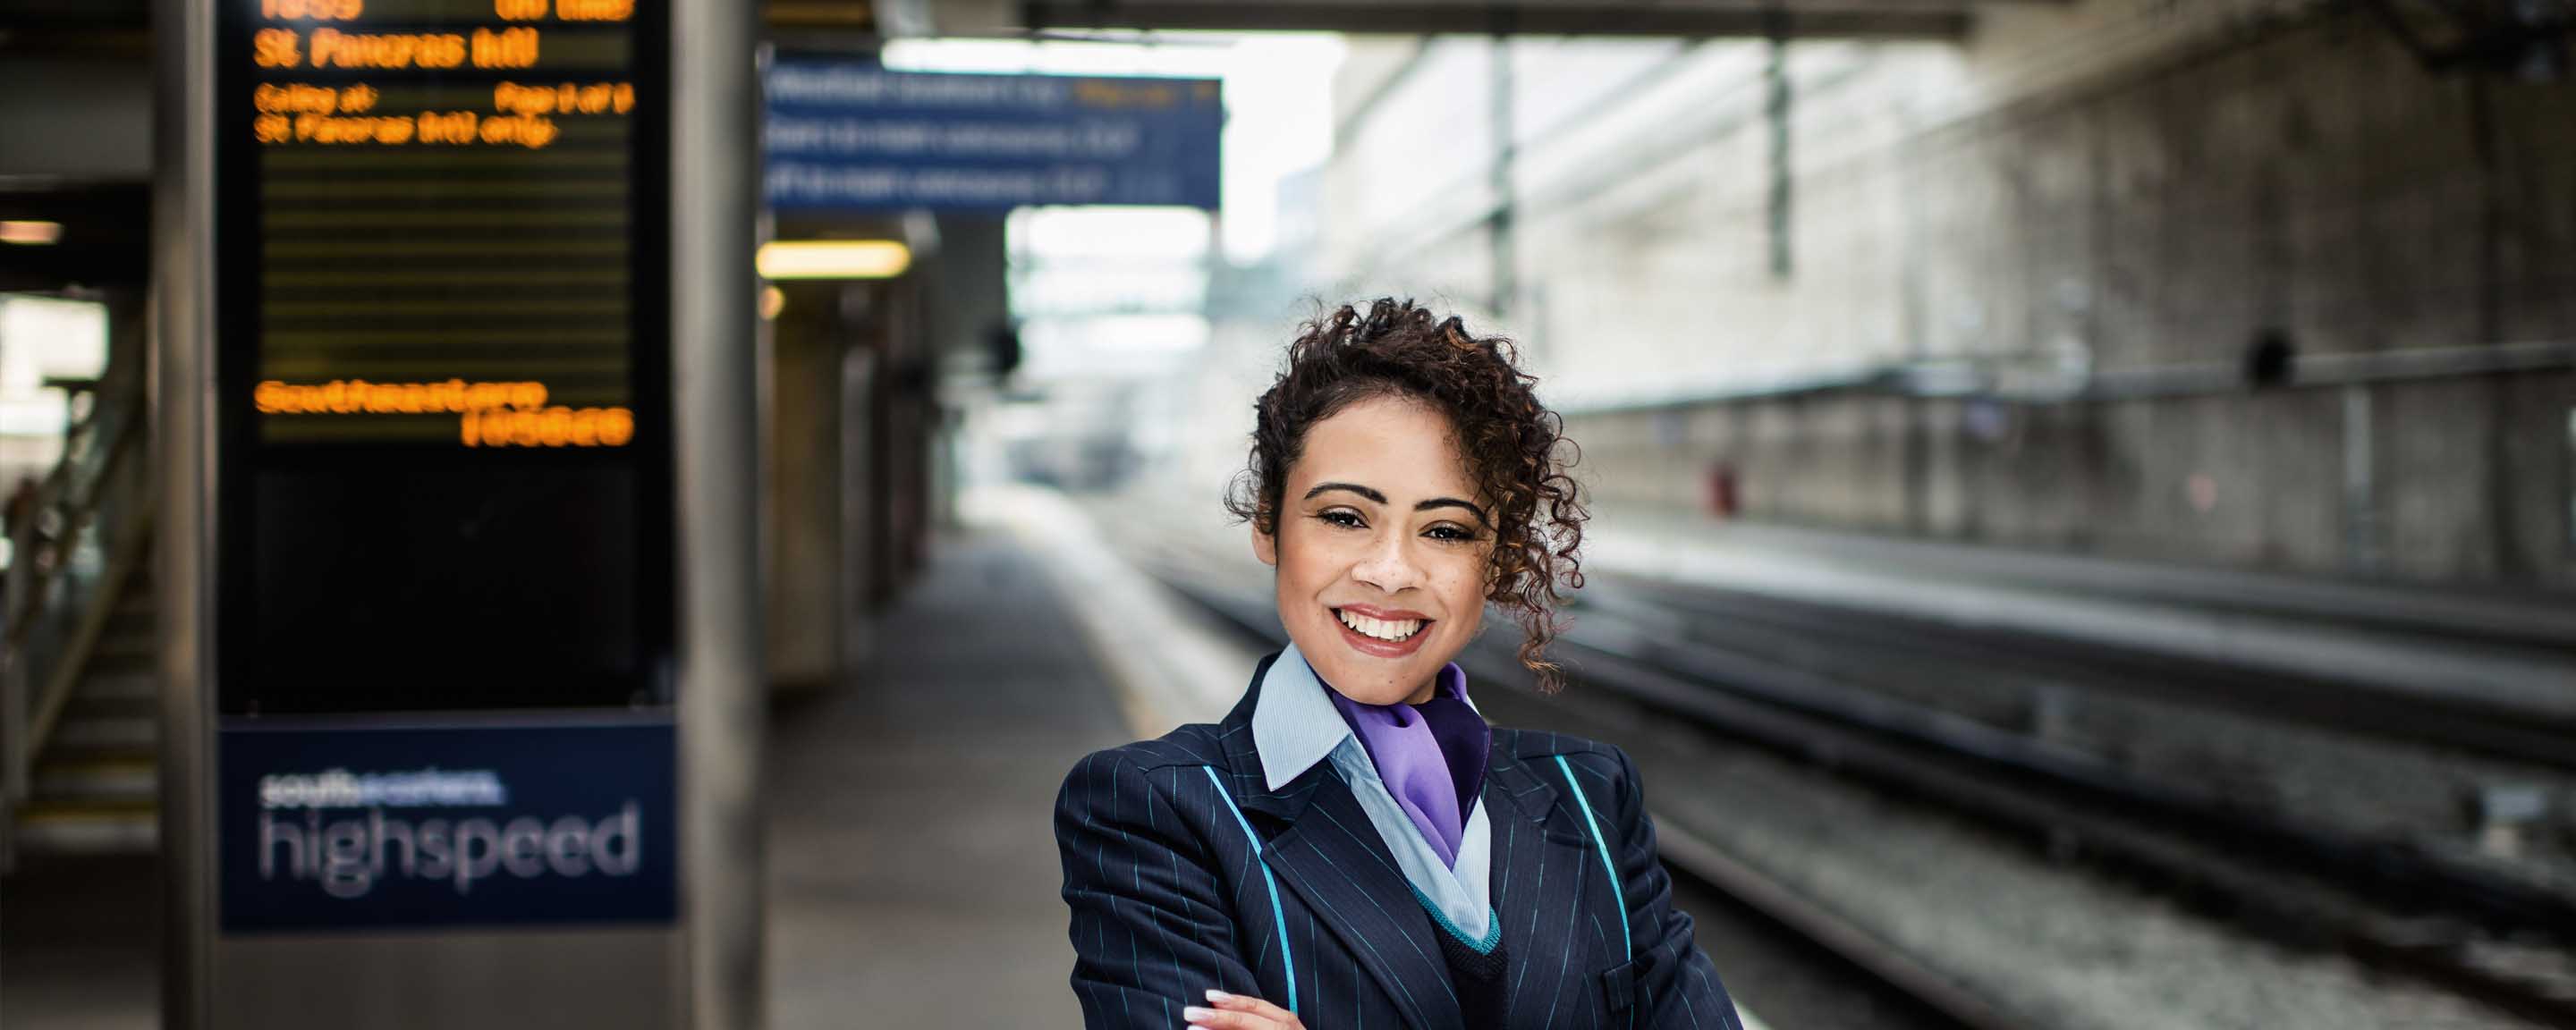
(1775, 108)
(2360, 486)
(714, 149)
(181, 326)
(1506, 270)
(13, 675)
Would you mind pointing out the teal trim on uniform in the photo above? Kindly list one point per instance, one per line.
(1276, 917)
(1493, 924)
(1628, 948)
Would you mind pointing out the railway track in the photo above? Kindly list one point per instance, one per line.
(1748, 623)
(2392, 907)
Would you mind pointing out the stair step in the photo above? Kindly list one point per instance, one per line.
(107, 734)
(105, 662)
(122, 782)
(56, 751)
(86, 830)
(126, 646)
(85, 705)
(89, 808)
(124, 685)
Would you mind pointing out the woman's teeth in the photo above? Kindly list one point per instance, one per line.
(1383, 629)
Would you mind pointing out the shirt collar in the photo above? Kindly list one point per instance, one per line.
(1294, 723)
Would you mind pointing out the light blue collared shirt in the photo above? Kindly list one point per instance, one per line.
(1294, 726)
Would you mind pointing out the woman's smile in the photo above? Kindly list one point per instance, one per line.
(1380, 632)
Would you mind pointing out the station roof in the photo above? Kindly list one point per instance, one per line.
(1897, 19)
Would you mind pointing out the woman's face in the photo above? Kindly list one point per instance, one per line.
(1381, 547)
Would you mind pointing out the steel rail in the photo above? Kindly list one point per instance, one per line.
(2466, 724)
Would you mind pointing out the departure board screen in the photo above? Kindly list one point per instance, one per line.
(442, 355)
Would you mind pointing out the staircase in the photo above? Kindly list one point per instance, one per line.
(96, 787)
(79, 684)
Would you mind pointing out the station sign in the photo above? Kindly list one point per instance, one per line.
(854, 135)
(444, 532)
(386, 825)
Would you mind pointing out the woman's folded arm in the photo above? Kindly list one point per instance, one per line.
(1153, 929)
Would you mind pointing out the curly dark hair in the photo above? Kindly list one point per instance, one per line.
(1515, 448)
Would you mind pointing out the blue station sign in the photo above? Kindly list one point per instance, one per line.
(853, 135)
(373, 827)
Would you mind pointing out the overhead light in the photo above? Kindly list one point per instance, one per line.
(31, 234)
(833, 259)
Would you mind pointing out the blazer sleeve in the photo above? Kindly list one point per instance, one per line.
(1151, 926)
(1678, 986)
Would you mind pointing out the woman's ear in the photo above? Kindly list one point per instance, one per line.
(1265, 546)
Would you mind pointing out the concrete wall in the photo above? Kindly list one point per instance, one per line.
(2101, 188)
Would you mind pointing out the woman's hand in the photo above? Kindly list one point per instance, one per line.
(1240, 1012)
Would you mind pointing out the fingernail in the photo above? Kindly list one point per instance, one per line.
(1217, 995)
(1194, 1013)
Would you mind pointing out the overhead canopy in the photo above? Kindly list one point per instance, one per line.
(1881, 19)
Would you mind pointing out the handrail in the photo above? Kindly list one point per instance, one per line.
(130, 552)
(49, 491)
(21, 622)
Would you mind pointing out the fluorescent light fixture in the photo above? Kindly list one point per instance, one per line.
(833, 259)
(30, 234)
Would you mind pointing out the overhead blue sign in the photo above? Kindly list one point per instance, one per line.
(853, 135)
(351, 826)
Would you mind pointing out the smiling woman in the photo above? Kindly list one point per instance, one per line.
(1403, 476)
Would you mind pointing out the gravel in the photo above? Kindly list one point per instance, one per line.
(2056, 942)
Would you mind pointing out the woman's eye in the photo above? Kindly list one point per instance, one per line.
(1449, 533)
(1344, 519)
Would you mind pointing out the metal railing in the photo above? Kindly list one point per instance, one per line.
(75, 539)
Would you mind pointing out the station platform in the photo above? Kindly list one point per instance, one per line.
(913, 878)
(2492, 649)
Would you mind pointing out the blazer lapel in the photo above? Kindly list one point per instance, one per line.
(1537, 876)
(1331, 856)
(1322, 845)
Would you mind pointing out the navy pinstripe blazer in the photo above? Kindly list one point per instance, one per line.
(1169, 898)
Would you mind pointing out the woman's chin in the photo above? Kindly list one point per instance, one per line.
(1370, 681)
(1380, 694)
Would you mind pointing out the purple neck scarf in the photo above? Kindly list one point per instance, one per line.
(1431, 755)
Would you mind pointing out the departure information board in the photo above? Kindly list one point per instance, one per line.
(443, 354)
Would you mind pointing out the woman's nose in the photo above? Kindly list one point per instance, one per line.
(1388, 566)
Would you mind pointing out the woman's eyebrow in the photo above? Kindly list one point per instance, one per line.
(1452, 502)
(1352, 487)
